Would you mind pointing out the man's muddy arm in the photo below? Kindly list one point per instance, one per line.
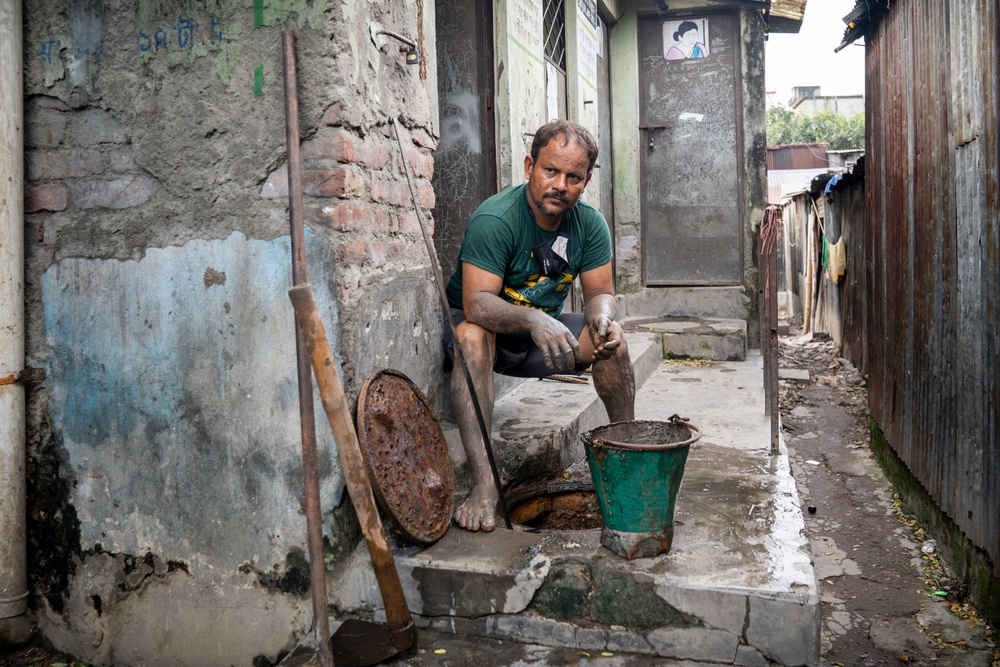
(483, 306)
(600, 309)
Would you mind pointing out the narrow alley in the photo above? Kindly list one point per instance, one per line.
(887, 597)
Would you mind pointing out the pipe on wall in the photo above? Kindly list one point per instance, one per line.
(14, 626)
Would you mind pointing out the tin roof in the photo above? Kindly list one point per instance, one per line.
(789, 10)
(783, 182)
(858, 21)
(782, 15)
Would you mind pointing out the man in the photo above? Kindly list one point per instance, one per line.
(522, 250)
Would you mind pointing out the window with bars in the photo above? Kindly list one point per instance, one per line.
(554, 27)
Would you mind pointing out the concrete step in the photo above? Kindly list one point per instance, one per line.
(696, 337)
(738, 586)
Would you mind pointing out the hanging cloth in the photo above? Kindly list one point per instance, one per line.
(836, 255)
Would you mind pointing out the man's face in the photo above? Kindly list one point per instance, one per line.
(557, 179)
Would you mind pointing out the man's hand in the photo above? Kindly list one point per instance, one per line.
(606, 334)
(560, 349)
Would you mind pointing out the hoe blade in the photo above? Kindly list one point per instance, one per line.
(359, 643)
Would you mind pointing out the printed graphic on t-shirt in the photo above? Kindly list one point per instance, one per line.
(539, 290)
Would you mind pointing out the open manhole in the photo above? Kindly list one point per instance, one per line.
(555, 504)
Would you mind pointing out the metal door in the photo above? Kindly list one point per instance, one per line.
(690, 150)
(465, 171)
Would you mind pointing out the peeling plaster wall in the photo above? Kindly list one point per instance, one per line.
(195, 383)
(164, 472)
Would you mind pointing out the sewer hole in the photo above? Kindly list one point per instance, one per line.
(555, 505)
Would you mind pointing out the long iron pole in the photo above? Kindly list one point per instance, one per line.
(13, 517)
(459, 357)
(307, 416)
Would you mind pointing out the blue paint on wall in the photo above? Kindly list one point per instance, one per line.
(173, 387)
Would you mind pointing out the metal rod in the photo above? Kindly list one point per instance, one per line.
(762, 320)
(768, 236)
(459, 357)
(307, 416)
(395, 35)
(14, 564)
(772, 323)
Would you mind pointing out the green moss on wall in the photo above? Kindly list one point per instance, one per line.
(53, 527)
(597, 593)
(969, 564)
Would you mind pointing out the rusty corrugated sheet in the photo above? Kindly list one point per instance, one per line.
(846, 297)
(798, 156)
(931, 245)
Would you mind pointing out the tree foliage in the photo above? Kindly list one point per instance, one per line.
(839, 132)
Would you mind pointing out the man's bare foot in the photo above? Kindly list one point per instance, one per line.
(478, 512)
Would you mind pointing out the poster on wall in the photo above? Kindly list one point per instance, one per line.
(551, 91)
(685, 40)
(589, 9)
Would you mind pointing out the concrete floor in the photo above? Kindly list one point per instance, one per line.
(737, 587)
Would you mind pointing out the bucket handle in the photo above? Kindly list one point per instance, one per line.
(684, 421)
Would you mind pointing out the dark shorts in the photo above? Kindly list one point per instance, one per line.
(516, 359)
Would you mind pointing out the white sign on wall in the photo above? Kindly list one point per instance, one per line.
(524, 25)
(587, 45)
(551, 91)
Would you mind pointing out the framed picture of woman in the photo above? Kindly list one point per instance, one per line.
(685, 40)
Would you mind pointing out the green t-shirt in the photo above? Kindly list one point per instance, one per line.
(500, 237)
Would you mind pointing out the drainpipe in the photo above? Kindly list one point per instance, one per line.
(14, 625)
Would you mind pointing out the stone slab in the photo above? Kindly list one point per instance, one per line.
(688, 325)
(793, 374)
(705, 346)
(696, 337)
(474, 574)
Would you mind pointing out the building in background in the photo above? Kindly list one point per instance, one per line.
(807, 100)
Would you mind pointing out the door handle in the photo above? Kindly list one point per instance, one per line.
(653, 129)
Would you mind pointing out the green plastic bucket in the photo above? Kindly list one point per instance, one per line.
(637, 468)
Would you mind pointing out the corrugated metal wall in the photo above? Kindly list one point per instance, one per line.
(931, 245)
(847, 212)
(797, 156)
(838, 305)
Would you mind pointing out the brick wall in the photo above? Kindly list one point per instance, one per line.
(79, 159)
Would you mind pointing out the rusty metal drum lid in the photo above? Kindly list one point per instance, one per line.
(406, 455)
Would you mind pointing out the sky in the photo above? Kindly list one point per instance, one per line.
(807, 58)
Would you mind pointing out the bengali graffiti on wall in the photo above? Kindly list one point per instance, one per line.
(177, 31)
(183, 34)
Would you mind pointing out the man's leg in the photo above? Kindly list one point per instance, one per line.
(478, 512)
(613, 379)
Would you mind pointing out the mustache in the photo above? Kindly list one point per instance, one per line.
(556, 195)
